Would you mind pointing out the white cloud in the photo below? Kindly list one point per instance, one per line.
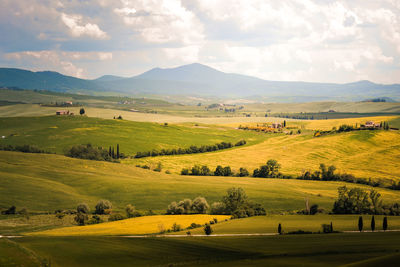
(89, 29)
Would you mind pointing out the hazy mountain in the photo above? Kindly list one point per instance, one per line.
(200, 80)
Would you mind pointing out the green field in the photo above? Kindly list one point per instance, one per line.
(57, 133)
(296, 250)
(44, 182)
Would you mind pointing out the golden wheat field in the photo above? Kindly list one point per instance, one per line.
(133, 226)
(365, 154)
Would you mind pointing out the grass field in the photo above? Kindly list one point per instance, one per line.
(134, 226)
(269, 224)
(56, 133)
(365, 154)
(296, 250)
(42, 182)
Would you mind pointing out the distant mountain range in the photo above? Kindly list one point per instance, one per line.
(200, 80)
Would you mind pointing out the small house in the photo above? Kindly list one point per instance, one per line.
(276, 125)
(371, 124)
(62, 112)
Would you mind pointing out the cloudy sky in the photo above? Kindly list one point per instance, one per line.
(321, 40)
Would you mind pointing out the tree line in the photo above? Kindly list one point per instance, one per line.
(91, 152)
(23, 148)
(191, 150)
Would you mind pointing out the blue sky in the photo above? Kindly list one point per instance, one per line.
(319, 41)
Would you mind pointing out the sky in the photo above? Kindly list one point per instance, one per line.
(299, 40)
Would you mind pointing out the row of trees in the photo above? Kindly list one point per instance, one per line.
(360, 201)
(191, 150)
(23, 148)
(361, 223)
(204, 170)
(90, 152)
(198, 206)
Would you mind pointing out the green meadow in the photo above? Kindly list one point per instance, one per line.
(294, 250)
(43, 182)
(57, 133)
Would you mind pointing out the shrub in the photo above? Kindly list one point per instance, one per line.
(173, 208)
(10, 211)
(116, 217)
(243, 172)
(185, 171)
(218, 208)
(176, 227)
(81, 218)
(103, 207)
(95, 220)
(207, 229)
(131, 211)
(88, 152)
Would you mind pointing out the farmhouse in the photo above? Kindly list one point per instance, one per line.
(371, 124)
(276, 125)
(62, 112)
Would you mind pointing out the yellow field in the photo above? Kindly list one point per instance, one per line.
(365, 154)
(134, 226)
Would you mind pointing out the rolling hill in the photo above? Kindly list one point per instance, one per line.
(200, 80)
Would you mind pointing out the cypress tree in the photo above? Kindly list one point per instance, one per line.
(279, 229)
(112, 153)
(117, 151)
(331, 228)
(360, 223)
(284, 124)
(385, 224)
(373, 223)
(109, 151)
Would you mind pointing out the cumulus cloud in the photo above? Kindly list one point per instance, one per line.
(325, 41)
(73, 23)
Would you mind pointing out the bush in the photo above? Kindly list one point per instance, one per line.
(95, 220)
(270, 170)
(207, 229)
(131, 211)
(83, 208)
(81, 218)
(176, 227)
(103, 207)
(10, 211)
(218, 208)
(243, 172)
(116, 217)
(89, 152)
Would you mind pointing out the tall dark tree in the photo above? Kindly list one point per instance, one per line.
(109, 151)
(360, 223)
(113, 153)
(284, 124)
(117, 151)
(207, 229)
(279, 229)
(373, 223)
(385, 224)
(82, 111)
(331, 227)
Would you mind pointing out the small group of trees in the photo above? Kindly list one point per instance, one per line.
(198, 206)
(13, 210)
(360, 201)
(115, 154)
(204, 170)
(23, 148)
(91, 152)
(191, 150)
(103, 207)
(361, 223)
(237, 204)
(269, 170)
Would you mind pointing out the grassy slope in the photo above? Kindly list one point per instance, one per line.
(269, 224)
(306, 250)
(48, 182)
(363, 154)
(133, 226)
(55, 133)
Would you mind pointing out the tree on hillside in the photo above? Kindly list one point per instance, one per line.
(385, 224)
(235, 198)
(373, 223)
(360, 223)
(81, 218)
(82, 111)
(284, 124)
(207, 229)
(279, 229)
(219, 171)
(200, 205)
(117, 151)
(103, 207)
(243, 172)
(83, 208)
(113, 153)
